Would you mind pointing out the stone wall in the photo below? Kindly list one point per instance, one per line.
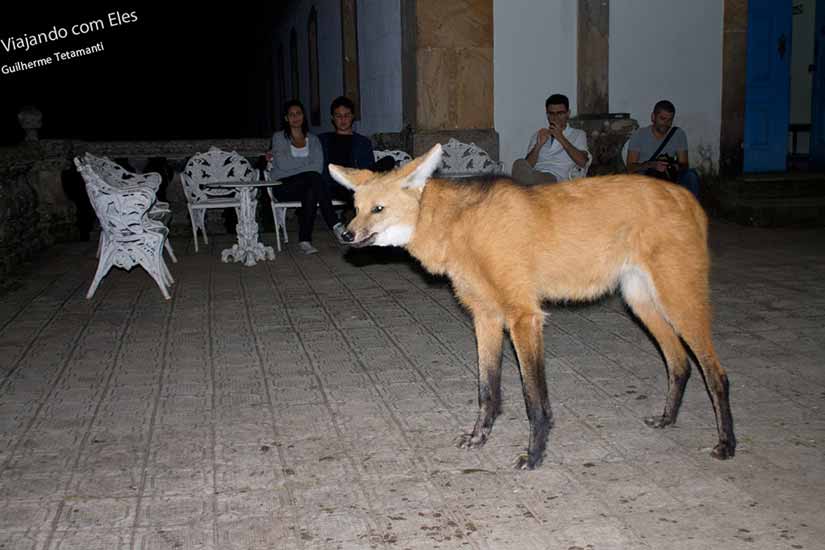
(19, 220)
(34, 209)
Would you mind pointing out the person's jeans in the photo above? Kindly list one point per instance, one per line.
(525, 174)
(310, 189)
(689, 179)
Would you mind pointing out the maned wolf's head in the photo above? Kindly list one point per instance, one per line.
(386, 205)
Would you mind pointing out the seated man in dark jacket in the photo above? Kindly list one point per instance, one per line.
(346, 147)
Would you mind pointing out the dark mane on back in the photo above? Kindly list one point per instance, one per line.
(474, 190)
(482, 182)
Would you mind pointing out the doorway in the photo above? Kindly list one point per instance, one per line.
(785, 93)
(802, 93)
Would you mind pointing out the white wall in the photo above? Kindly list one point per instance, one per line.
(534, 55)
(379, 51)
(379, 56)
(670, 49)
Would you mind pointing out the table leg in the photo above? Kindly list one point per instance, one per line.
(249, 249)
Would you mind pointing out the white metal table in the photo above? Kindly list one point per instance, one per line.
(249, 249)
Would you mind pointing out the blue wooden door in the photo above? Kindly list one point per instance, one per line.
(767, 85)
(817, 147)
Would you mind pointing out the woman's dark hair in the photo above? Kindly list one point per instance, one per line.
(304, 127)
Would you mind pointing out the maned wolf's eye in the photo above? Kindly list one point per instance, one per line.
(377, 209)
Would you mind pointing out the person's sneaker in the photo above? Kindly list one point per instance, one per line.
(339, 229)
(307, 248)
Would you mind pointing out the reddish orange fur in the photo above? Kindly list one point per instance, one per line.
(507, 248)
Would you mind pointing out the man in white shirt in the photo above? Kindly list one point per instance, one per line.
(555, 150)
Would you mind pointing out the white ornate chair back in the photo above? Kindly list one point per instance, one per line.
(117, 176)
(121, 213)
(213, 165)
(400, 157)
(460, 159)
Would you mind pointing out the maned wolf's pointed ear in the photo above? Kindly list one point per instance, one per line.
(349, 177)
(422, 168)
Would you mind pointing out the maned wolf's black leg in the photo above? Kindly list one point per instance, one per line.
(719, 389)
(677, 379)
(489, 335)
(526, 332)
(678, 364)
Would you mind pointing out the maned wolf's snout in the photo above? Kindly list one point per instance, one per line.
(351, 238)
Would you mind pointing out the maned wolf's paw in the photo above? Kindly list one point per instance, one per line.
(658, 421)
(469, 441)
(523, 462)
(723, 451)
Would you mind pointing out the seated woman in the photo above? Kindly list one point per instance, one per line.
(297, 161)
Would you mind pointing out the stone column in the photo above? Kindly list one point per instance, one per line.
(448, 73)
(606, 132)
(734, 61)
(593, 56)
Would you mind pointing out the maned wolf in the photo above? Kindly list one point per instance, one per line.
(507, 248)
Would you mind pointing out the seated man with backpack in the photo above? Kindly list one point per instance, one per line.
(664, 148)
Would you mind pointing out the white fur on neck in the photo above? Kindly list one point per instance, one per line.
(395, 235)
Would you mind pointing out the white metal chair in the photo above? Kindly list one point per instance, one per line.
(279, 208)
(203, 168)
(117, 176)
(128, 236)
(577, 172)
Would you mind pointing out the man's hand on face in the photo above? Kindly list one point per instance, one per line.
(555, 130)
(543, 136)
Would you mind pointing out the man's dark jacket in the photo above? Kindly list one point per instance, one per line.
(362, 153)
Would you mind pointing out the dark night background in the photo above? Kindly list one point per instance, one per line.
(175, 73)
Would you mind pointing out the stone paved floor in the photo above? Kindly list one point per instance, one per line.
(312, 402)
